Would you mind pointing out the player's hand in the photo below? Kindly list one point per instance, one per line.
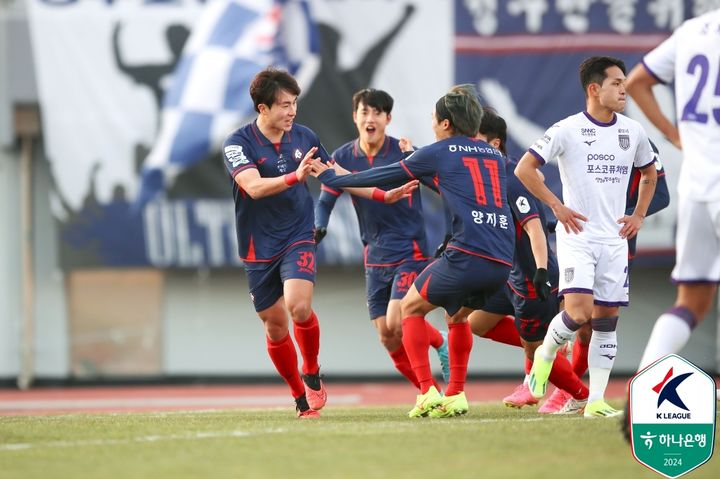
(542, 284)
(320, 233)
(405, 144)
(569, 218)
(442, 246)
(631, 225)
(305, 167)
(404, 191)
(317, 167)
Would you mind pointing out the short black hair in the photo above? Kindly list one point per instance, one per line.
(493, 126)
(593, 70)
(373, 98)
(462, 108)
(267, 83)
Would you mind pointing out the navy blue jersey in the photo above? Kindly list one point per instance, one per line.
(391, 233)
(525, 207)
(660, 199)
(471, 177)
(268, 226)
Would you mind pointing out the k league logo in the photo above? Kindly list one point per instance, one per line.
(671, 410)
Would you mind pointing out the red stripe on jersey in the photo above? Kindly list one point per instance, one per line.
(417, 252)
(528, 219)
(251, 251)
(330, 190)
(370, 158)
(402, 163)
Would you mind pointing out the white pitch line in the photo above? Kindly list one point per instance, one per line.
(223, 401)
(21, 446)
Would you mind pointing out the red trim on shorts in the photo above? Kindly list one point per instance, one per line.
(270, 260)
(490, 258)
(423, 289)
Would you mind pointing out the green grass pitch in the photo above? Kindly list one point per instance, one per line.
(379, 442)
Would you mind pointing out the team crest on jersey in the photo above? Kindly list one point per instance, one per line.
(298, 154)
(569, 274)
(624, 141)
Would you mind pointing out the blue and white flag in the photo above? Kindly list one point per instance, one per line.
(208, 95)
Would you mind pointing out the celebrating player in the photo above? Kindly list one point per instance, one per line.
(471, 177)
(396, 248)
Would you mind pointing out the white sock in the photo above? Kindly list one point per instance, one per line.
(670, 333)
(561, 330)
(601, 357)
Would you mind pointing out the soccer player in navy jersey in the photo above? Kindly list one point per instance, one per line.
(268, 161)
(396, 248)
(470, 175)
(529, 298)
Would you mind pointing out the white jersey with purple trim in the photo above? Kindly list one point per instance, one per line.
(691, 57)
(595, 160)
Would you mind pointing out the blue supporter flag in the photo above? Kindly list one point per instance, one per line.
(208, 94)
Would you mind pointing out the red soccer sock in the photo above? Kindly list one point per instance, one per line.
(415, 342)
(307, 335)
(284, 357)
(580, 358)
(563, 377)
(505, 332)
(434, 337)
(402, 364)
(460, 341)
(528, 365)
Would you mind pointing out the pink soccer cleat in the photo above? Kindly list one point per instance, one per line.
(520, 397)
(555, 402)
(315, 390)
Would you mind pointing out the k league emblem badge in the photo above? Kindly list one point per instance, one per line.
(672, 411)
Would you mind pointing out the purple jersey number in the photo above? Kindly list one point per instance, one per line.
(690, 112)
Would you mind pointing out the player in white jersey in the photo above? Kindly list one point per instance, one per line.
(596, 150)
(690, 58)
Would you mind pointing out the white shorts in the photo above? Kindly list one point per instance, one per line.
(697, 242)
(594, 268)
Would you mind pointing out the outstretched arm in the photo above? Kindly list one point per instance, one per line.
(373, 177)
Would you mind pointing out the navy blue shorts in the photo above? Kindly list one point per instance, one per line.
(499, 303)
(532, 316)
(266, 279)
(454, 276)
(384, 283)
